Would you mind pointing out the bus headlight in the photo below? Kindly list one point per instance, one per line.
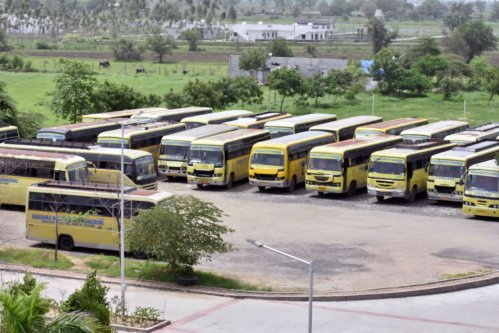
(218, 174)
(458, 193)
(494, 206)
(280, 178)
(467, 203)
(336, 184)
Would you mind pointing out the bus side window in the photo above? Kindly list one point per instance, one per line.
(410, 169)
(60, 175)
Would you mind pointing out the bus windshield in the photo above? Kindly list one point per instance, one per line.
(78, 172)
(51, 136)
(363, 134)
(145, 168)
(112, 143)
(268, 157)
(175, 150)
(448, 171)
(207, 155)
(330, 163)
(390, 167)
(483, 183)
(193, 124)
(276, 132)
(413, 138)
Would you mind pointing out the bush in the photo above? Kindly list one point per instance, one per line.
(126, 50)
(45, 46)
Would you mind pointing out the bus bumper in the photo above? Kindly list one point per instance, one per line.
(445, 197)
(325, 189)
(219, 181)
(269, 183)
(471, 209)
(172, 172)
(387, 193)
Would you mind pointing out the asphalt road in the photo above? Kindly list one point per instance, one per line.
(355, 243)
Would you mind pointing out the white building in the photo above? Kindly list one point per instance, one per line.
(298, 32)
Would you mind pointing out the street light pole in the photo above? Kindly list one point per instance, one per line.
(122, 221)
(310, 272)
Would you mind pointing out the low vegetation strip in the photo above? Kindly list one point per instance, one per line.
(35, 258)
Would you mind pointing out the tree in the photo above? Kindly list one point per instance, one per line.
(126, 50)
(380, 36)
(456, 44)
(73, 95)
(225, 92)
(160, 44)
(311, 50)
(181, 231)
(232, 15)
(4, 45)
(492, 83)
(387, 70)
(247, 90)
(253, 60)
(315, 87)
(481, 69)
(458, 14)
(449, 86)
(479, 37)
(430, 65)
(115, 97)
(8, 110)
(201, 93)
(339, 82)
(192, 36)
(424, 46)
(174, 100)
(369, 8)
(279, 48)
(287, 82)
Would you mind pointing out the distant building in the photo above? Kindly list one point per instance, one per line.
(311, 31)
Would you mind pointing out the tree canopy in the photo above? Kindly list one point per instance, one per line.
(159, 44)
(280, 48)
(287, 82)
(479, 37)
(253, 60)
(380, 36)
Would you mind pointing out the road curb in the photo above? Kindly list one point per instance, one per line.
(430, 288)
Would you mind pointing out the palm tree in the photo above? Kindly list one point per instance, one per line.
(25, 313)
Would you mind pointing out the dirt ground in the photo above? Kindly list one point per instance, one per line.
(355, 243)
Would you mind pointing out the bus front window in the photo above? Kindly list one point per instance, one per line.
(483, 183)
(326, 164)
(363, 134)
(191, 125)
(50, 136)
(112, 143)
(268, 158)
(276, 132)
(78, 173)
(448, 171)
(175, 151)
(392, 167)
(145, 168)
(206, 155)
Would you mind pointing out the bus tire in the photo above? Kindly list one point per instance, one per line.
(230, 182)
(66, 243)
(352, 189)
(292, 185)
(321, 194)
(412, 194)
(200, 186)
(380, 198)
(261, 188)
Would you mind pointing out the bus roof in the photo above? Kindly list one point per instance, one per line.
(5, 152)
(351, 121)
(486, 127)
(292, 121)
(258, 118)
(115, 114)
(462, 153)
(130, 130)
(217, 115)
(229, 136)
(393, 123)
(287, 140)
(405, 150)
(152, 113)
(342, 146)
(7, 127)
(472, 135)
(66, 128)
(434, 127)
(199, 132)
(490, 165)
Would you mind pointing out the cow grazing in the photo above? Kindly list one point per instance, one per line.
(185, 71)
(104, 63)
(140, 69)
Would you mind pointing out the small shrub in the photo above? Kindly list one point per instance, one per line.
(43, 46)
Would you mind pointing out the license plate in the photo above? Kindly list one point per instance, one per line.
(263, 184)
(204, 181)
(322, 188)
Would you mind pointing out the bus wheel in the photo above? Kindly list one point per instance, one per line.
(199, 185)
(380, 198)
(66, 243)
(292, 185)
(261, 188)
(352, 189)
(230, 182)
(412, 194)
(321, 194)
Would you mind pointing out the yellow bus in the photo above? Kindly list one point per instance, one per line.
(344, 129)
(87, 215)
(341, 167)
(222, 159)
(258, 120)
(447, 169)
(402, 171)
(438, 130)
(160, 114)
(476, 134)
(106, 162)
(8, 132)
(481, 189)
(82, 132)
(214, 118)
(174, 148)
(281, 162)
(112, 115)
(146, 137)
(297, 124)
(393, 127)
(20, 169)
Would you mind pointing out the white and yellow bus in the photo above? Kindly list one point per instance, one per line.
(297, 124)
(438, 130)
(105, 162)
(113, 115)
(222, 159)
(146, 137)
(344, 129)
(20, 169)
(214, 118)
(402, 172)
(474, 135)
(341, 167)
(174, 148)
(81, 132)
(447, 169)
(281, 162)
(8, 132)
(87, 215)
(393, 127)
(481, 189)
(161, 114)
(258, 120)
